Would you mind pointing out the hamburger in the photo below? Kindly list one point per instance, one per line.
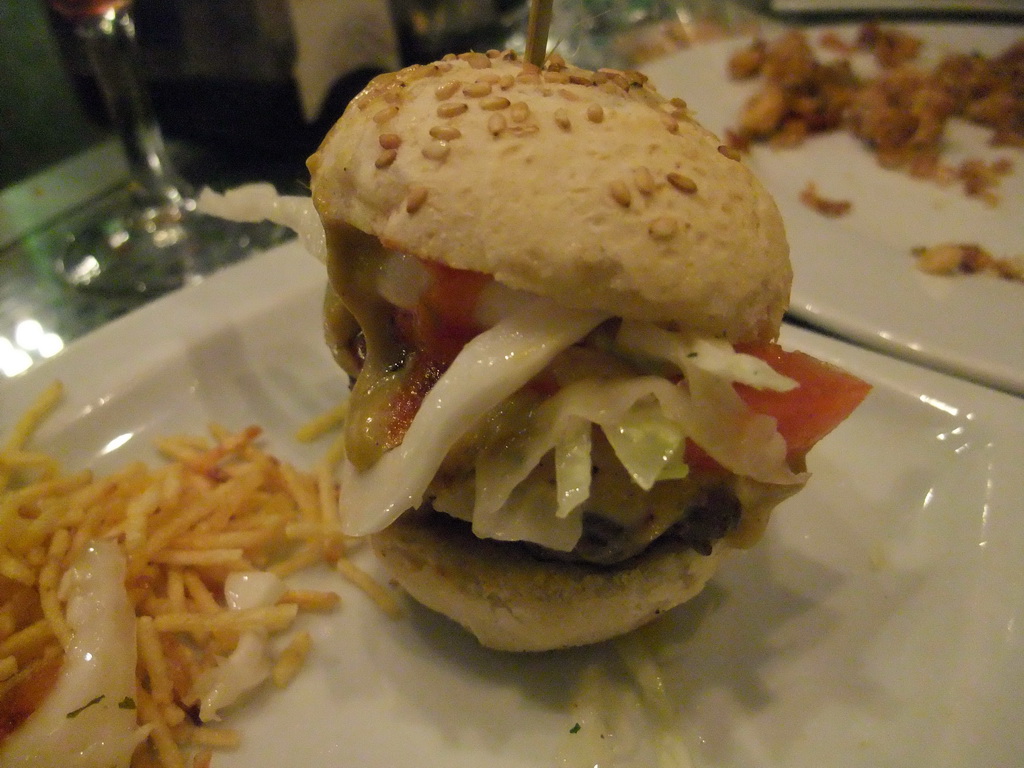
(558, 298)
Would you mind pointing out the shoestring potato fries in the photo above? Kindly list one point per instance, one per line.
(219, 505)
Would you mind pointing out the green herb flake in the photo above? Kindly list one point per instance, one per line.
(76, 712)
(575, 728)
(126, 703)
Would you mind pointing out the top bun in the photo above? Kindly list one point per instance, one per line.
(586, 187)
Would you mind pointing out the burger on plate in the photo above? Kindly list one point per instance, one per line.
(558, 298)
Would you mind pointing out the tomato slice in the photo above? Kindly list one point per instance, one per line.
(825, 397)
(444, 321)
(27, 695)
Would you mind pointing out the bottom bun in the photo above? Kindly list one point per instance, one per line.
(514, 601)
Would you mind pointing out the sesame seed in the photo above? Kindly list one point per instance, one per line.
(476, 90)
(449, 57)
(445, 132)
(729, 152)
(581, 78)
(670, 123)
(417, 197)
(436, 150)
(555, 76)
(600, 78)
(555, 61)
(451, 108)
(527, 78)
(663, 228)
(385, 114)
(494, 103)
(493, 53)
(595, 113)
(682, 183)
(519, 111)
(524, 129)
(386, 158)
(643, 180)
(568, 95)
(614, 76)
(620, 193)
(390, 140)
(444, 66)
(489, 77)
(562, 119)
(506, 81)
(446, 90)
(496, 123)
(476, 60)
(678, 103)
(530, 68)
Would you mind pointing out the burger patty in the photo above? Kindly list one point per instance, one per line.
(620, 519)
(711, 515)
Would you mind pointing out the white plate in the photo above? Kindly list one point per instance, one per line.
(974, 7)
(854, 275)
(877, 624)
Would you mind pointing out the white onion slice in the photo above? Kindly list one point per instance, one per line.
(89, 719)
(261, 202)
(489, 369)
(714, 356)
(403, 279)
(249, 664)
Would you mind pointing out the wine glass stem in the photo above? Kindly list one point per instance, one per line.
(113, 52)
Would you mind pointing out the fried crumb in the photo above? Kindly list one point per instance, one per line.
(901, 115)
(891, 47)
(830, 207)
(948, 259)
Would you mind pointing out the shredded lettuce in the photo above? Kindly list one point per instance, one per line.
(490, 368)
(742, 441)
(646, 420)
(504, 466)
(526, 515)
(572, 466)
(715, 357)
(645, 441)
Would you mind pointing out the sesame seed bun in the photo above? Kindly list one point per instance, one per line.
(589, 188)
(513, 601)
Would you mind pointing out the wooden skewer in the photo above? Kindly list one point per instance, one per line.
(537, 31)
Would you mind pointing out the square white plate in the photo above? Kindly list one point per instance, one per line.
(877, 624)
(855, 276)
(974, 7)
